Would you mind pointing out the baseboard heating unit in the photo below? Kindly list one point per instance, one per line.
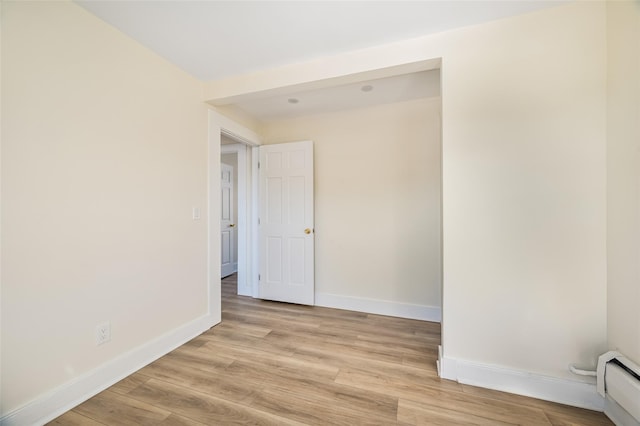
(618, 381)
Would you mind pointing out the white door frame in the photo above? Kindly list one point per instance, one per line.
(219, 125)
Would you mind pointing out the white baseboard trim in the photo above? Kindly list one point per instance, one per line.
(379, 307)
(56, 402)
(560, 390)
(446, 366)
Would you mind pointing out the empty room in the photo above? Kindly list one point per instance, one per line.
(435, 212)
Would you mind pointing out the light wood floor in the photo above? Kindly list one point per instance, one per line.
(275, 363)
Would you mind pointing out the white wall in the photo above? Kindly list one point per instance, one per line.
(377, 200)
(232, 160)
(524, 183)
(524, 191)
(623, 177)
(104, 154)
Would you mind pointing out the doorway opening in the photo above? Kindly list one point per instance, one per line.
(349, 302)
(235, 215)
(245, 144)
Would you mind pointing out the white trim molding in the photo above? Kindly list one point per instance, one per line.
(247, 259)
(564, 391)
(234, 130)
(60, 400)
(379, 307)
(446, 366)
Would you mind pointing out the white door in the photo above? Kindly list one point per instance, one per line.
(227, 226)
(286, 234)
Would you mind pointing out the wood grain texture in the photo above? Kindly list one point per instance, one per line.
(272, 363)
(71, 418)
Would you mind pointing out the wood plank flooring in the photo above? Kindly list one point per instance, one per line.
(279, 364)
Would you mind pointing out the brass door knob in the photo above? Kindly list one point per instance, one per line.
(232, 225)
(307, 231)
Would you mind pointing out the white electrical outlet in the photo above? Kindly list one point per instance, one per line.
(103, 333)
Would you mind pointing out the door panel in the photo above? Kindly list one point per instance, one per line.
(227, 227)
(286, 211)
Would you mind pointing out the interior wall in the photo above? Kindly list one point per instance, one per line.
(524, 181)
(104, 154)
(623, 177)
(377, 199)
(525, 191)
(232, 160)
